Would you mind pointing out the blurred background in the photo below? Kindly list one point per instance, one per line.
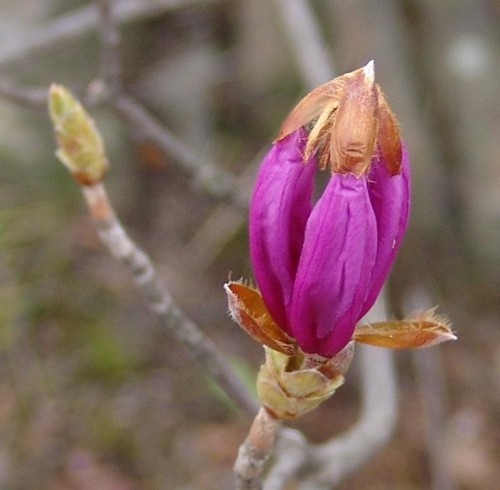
(93, 394)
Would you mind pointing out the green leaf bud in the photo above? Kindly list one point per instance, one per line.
(80, 146)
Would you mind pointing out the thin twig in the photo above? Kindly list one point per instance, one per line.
(223, 223)
(69, 27)
(159, 299)
(32, 97)
(255, 451)
(315, 64)
(110, 69)
(211, 179)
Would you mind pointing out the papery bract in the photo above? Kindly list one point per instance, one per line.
(421, 329)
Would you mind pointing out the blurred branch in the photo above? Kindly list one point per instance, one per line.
(255, 451)
(221, 225)
(334, 460)
(327, 464)
(35, 97)
(110, 71)
(304, 35)
(211, 179)
(69, 27)
(207, 176)
(202, 349)
(431, 385)
(290, 454)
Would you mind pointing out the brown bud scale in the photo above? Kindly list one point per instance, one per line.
(349, 122)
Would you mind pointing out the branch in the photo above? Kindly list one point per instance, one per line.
(34, 98)
(335, 459)
(110, 70)
(67, 28)
(211, 179)
(431, 385)
(291, 454)
(304, 35)
(202, 349)
(221, 225)
(255, 451)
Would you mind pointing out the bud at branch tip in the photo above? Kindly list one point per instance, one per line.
(80, 146)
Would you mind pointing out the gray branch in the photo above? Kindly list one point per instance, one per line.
(185, 331)
(431, 384)
(291, 454)
(110, 70)
(69, 27)
(33, 97)
(211, 179)
(327, 464)
(343, 455)
(315, 64)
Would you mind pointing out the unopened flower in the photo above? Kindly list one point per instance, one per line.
(320, 268)
(80, 146)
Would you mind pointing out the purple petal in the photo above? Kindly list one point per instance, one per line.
(279, 209)
(390, 197)
(335, 267)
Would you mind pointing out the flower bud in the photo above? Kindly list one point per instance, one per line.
(80, 146)
(320, 266)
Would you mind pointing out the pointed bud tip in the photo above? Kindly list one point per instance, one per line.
(369, 70)
(449, 336)
(58, 101)
(55, 87)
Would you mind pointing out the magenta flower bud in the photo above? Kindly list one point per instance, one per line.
(320, 267)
